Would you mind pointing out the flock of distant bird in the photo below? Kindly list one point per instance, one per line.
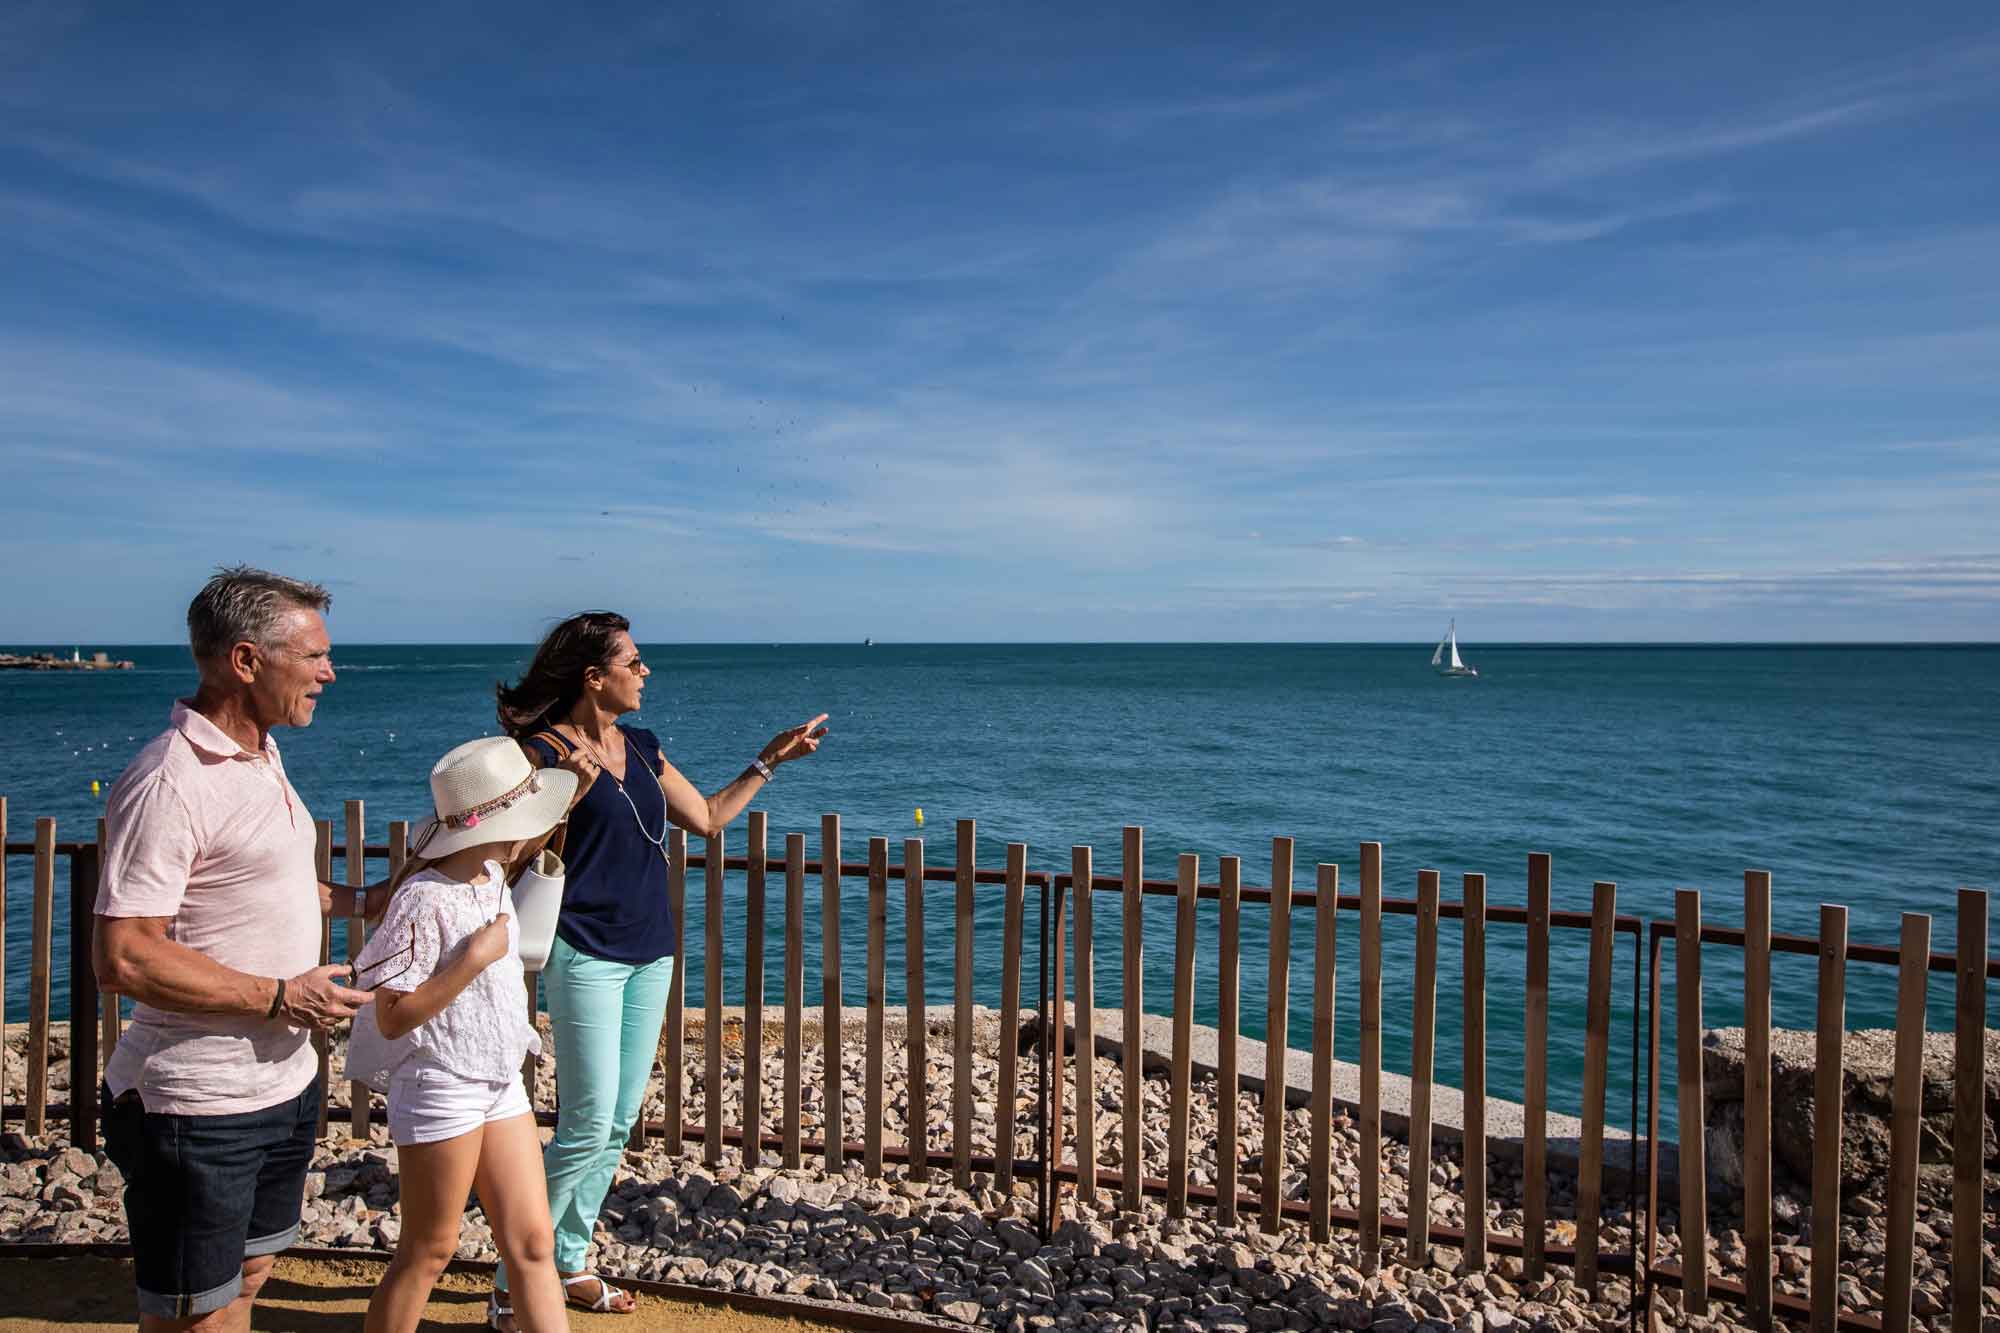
(106, 747)
(771, 487)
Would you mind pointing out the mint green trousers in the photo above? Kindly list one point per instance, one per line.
(607, 1020)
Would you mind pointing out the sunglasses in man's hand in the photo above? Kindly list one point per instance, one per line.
(387, 969)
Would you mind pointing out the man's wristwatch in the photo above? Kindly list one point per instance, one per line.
(762, 769)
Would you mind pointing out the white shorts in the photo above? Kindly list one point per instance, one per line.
(428, 1105)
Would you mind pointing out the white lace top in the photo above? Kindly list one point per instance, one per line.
(484, 1033)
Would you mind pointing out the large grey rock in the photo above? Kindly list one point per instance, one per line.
(1867, 1088)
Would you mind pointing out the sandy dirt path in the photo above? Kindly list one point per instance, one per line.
(91, 1295)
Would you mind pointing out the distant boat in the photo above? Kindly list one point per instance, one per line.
(1445, 659)
(868, 643)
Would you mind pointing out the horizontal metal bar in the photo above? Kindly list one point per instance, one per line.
(1795, 1306)
(1808, 945)
(877, 1321)
(1023, 1166)
(1449, 911)
(1251, 1204)
(858, 869)
(846, 1314)
(1247, 1203)
(1348, 902)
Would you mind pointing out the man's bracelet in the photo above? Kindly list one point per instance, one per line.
(278, 1000)
(762, 769)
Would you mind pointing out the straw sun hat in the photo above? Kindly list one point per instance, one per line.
(487, 791)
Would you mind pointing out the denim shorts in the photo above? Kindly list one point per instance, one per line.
(205, 1192)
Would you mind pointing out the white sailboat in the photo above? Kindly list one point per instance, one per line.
(1445, 659)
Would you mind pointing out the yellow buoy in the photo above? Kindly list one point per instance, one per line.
(95, 787)
(920, 815)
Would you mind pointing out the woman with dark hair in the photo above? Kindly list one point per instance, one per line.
(612, 961)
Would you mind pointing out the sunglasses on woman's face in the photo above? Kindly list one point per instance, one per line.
(368, 979)
(634, 664)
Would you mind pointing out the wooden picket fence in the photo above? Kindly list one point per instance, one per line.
(1067, 1154)
(1971, 967)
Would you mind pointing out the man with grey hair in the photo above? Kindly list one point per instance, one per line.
(208, 916)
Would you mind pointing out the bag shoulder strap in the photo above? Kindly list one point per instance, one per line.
(556, 741)
(559, 743)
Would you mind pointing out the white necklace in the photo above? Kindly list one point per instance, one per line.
(632, 753)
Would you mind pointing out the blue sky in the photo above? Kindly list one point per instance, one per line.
(810, 321)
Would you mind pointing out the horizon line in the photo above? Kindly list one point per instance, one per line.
(1481, 644)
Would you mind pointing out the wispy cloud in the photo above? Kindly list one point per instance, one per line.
(1602, 152)
(103, 403)
(1973, 579)
(1281, 328)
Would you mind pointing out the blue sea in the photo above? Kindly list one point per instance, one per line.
(1859, 775)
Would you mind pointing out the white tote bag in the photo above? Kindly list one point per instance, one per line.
(538, 892)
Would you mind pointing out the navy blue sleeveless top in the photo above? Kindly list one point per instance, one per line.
(615, 887)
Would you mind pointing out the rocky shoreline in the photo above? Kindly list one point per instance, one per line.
(974, 1256)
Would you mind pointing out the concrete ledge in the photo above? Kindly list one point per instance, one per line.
(1504, 1119)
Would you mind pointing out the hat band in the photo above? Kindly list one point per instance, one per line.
(470, 817)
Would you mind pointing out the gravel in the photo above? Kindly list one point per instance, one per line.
(973, 1255)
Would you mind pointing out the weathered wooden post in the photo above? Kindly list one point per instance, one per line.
(1178, 1073)
(1475, 1071)
(1906, 1112)
(917, 1125)
(753, 988)
(1535, 1073)
(1086, 1032)
(673, 1091)
(1687, 1055)
(39, 949)
(1423, 1043)
(1369, 1163)
(1277, 1019)
(1006, 1103)
(1319, 1162)
(1830, 1045)
(1229, 1026)
(795, 987)
(1757, 1097)
(961, 1014)
(1596, 1067)
(712, 868)
(359, 1109)
(878, 948)
(832, 1076)
(1969, 1112)
(1132, 1166)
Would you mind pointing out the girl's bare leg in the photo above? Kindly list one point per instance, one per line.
(436, 1179)
(515, 1195)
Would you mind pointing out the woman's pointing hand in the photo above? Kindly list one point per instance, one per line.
(795, 742)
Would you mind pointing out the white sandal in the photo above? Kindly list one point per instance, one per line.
(606, 1294)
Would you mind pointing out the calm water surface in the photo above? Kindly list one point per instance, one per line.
(1865, 776)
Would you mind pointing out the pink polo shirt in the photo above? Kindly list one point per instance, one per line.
(213, 837)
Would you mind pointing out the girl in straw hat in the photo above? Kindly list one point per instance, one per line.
(447, 1035)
